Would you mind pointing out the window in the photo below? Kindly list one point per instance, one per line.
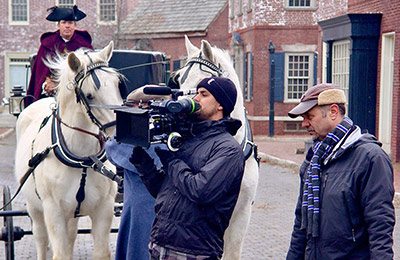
(300, 4)
(107, 12)
(299, 75)
(293, 127)
(249, 9)
(17, 71)
(248, 76)
(240, 13)
(341, 65)
(232, 7)
(65, 3)
(19, 12)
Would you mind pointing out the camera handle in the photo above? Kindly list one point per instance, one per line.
(174, 141)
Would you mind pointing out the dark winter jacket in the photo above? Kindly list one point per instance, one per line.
(199, 191)
(357, 214)
(51, 43)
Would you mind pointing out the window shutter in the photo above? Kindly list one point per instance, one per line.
(279, 58)
(245, 83)
(315, 68)
(176, 65)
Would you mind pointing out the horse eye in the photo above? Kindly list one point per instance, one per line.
(89, 96)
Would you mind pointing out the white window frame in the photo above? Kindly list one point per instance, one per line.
(310, 76)
(232, 9)
(69, 5)
(106, 22)
(8, 57)
(10, 18)
(238, 63)
(341, 65)
(311, 7)
(249, 8)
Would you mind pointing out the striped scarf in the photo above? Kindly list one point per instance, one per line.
(311, 188)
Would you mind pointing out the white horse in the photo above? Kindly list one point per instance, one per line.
(203, 63)
(51, 189)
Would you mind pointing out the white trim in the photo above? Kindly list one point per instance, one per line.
(18, 23)
(386, 90)
(298, 8)
(98, 14)
(7, 63)
(310, 75)
(58, 2)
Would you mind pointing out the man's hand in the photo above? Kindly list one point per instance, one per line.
(141, 160)
(165, 156)
(50, 86)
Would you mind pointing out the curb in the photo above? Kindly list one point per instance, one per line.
(295, 167)
(6, 133)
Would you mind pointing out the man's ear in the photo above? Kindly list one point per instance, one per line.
(220, 108)
(334, 111)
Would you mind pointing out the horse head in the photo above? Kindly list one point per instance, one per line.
(206, 62)
(85, 84)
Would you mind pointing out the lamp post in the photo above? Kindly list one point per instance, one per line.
(271, 49)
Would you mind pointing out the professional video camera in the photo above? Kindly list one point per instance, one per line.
(165, 121)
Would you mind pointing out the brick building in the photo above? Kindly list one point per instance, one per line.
(161, 26)
(23, 21)
(292, 26)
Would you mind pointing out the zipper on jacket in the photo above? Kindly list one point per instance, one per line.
(352, 233)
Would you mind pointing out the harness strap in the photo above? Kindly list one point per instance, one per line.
(64, 155)
(99, 167)
(80, 195)
(247, 143)
(33, 163)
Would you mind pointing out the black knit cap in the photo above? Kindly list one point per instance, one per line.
(223, 90)
(64, 13)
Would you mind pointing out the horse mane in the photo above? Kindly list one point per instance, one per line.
(65, 76)
(222, 57)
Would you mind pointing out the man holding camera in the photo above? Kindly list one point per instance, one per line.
(198, 186)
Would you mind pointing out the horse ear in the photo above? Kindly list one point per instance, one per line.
(190, 48)
(106, 53)
(207, 51)
(73, 62)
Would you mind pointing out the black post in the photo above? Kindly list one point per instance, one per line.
(271, 49)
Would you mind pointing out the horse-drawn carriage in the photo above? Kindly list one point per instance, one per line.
(69, 132)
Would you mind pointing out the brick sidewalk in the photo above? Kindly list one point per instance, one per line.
(285, 148)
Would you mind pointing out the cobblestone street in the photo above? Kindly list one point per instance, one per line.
(268, 235)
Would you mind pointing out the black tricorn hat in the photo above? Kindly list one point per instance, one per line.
(64, 13)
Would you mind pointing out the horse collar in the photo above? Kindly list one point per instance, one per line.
(62, 152)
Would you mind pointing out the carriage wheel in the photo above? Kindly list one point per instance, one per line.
(8, 225)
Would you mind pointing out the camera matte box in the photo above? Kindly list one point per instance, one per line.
(133, 126)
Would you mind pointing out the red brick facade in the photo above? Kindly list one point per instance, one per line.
(25, 38)
(287, 28)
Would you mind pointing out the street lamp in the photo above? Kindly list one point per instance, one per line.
(271, 49)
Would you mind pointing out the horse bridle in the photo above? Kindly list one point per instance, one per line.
(80, 96)
(174, 83)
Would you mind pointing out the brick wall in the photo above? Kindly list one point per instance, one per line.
(269, 20)
(26, 38)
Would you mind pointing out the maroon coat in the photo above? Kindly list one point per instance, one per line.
(51, 42)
